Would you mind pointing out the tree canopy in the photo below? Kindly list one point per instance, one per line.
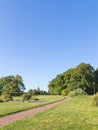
(11, 84)
(82, 76)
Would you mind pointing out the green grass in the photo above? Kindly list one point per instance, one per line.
(16, 106)
(76, 114)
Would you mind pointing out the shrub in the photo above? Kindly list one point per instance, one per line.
(0, 93)
(35, 99)
(7, 97)
(26, 97)
(1, 100)
(65, 92)
(95, 100)
(77, 92)
(16, 93)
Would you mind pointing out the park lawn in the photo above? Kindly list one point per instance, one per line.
(76, 114)
(17, 106)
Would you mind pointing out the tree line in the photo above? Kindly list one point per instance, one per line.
(37, 91)
(83, 76)
(14, 86)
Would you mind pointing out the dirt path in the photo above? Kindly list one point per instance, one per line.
(14, 117)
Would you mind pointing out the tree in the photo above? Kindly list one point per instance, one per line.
(81, 76)
(11, 84)
(56, 85)
(96, 80)
(37, 91)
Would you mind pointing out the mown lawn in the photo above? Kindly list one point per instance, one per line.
(76, 114)
(16, 106)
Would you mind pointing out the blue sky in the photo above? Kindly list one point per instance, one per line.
(42, 38)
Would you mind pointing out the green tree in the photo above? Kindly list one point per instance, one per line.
(82, 76)
(56, 85)
(37, 91)
(96, 80)
(11, 84)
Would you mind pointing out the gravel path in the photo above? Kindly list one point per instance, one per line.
(17, 116)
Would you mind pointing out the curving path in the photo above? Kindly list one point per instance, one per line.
(17, 116)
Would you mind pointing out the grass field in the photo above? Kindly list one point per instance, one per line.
(16, 106)
(76, 114)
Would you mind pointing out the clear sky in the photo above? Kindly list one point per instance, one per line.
(42, 38)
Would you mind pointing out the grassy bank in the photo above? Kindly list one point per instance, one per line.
(76, 114)
(16, 106)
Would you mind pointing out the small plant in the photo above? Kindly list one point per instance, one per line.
(95, 100)
(26, 97)
(35, 99)
(77, 92)
(7, 97)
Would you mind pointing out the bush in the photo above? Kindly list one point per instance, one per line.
(77, 92)
(16, 93)
(1, 100)
(0, 93)
(35, 99)
(95, 100)
(26, 97)
(7, 97)
(65, 92)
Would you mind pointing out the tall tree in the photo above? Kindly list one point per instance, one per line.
(82, 76)
(96, 80)
(56, 85)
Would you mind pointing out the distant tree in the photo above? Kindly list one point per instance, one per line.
(30, 91)
(33, 91)
(11, 84)
(37, 92)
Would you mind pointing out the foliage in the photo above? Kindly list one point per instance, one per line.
(6, 97)
(11, 84)
(0, 92)
(95, 100)
(77, 92)
(96, 80)
(56, 85)
(16, 93)
(65, 92)
(37, 92)
(35, 98)
(1, 100)
(26, 97)
(82, 76)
